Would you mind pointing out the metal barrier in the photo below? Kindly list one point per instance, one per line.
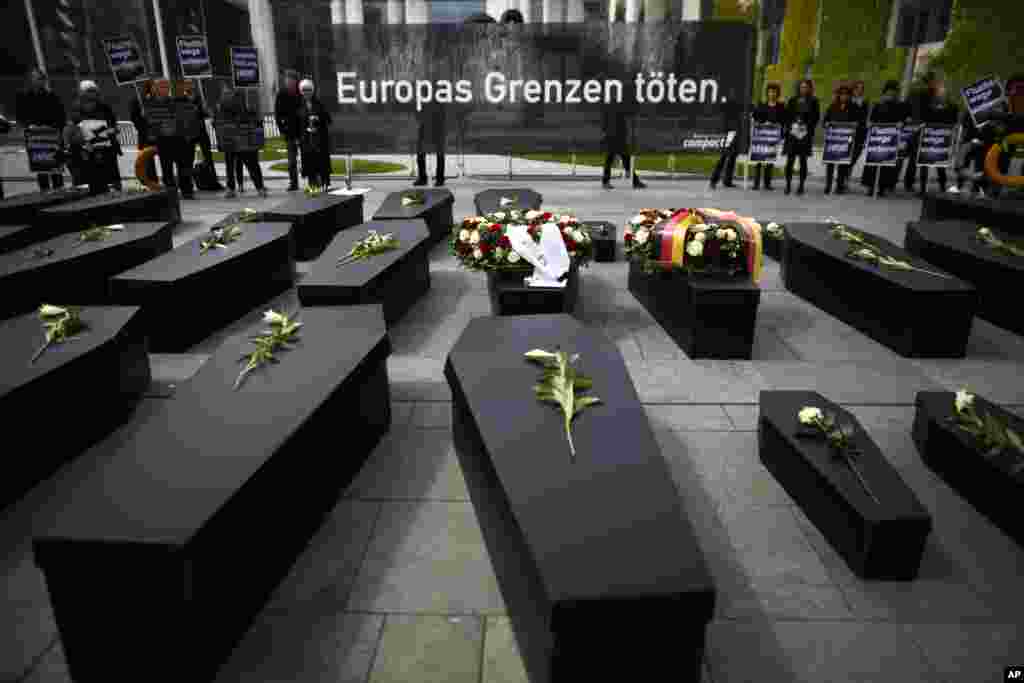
(129, 137)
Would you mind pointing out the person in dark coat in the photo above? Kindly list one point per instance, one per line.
(840, 111)
(772, 110)
(286, 112)
(175, 150)
(38, 106)
(889, 110)
(936, 110)
(615, 126)
(95, 144)
(734, 123)
(138, 119)
(431, 135)
(803, 112)
(861, 105)
(233, 108)
(315, 121)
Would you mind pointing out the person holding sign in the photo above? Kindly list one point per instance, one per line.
(316, 140)
(842, 112)
(95, 144)
(803, 112)
(860, 103)
(939, 112)
(770, 111)
(930, 106)
(233, 109)
(38, 106)
(890, 110)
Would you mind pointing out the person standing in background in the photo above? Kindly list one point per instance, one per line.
(233, 108)
(38, 106)
(861, 105)
(432, 133)
(936, 109)
(175, 150)
(733, 119)
(840, 111)
(890, 110)
(138, 119)
(770, 111)
(803, 112)
(315, 123)
(286, 111)
(96, 140)
(615, 125)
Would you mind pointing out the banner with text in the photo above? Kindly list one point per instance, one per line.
(839, 139)
(125, 60)
(43, 146)
(497, 88)
(882, 146)
(936, 146)
(984, 98)
(765, 140)
(245, 67)
(194, 57)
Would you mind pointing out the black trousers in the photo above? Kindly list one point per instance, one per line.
(911, 164)
(293, 162)
(181, 153)
(610, 159)
(830, 173)
(421, 166)
(726, 163)
(943, 178)
(769, 170)
(46, 179)
(235, 161)
(790, 161)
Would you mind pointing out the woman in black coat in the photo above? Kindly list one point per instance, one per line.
(840, 111)
(803, 112)
(316, 146)
(233, 109)
(770, 111)
(889, 110)
(38, 106)
(935, 109)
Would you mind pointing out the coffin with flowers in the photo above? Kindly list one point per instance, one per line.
(482, 243)
(508, 199)
(171, 542)
(861, 505)
(696, 271)
(774, 239)
(74, 393)
(113, 207)
(989, 474)
(997, 273)
(917, 310)
(316, 219)
(433, 206)
(75, 269)
(190, 292)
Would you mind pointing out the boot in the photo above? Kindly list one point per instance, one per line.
(638, 184)
(789, 185)
(757, 177)
(768, 178)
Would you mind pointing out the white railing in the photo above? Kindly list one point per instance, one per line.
(129, 137)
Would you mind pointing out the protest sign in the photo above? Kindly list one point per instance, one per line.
(765, 139)
(194, 57)
(984, 99)
(125, 60)
(936, 146)
(839, 141)
(882, 145)
(245, 67)
(43, 145)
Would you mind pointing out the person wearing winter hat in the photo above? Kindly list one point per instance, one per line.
(315, 123)
(95, 145)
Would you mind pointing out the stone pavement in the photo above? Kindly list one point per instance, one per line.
(397, 585)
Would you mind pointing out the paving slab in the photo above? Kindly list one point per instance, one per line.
(429, 649)
(412, 464)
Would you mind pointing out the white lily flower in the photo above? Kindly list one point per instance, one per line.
(565, 219)
(539, 354)
(809, 415)
(505, 201)
(963, 400)
(637, 219)
(513, 257)
(772, 226)
(274, 318)
(578, 235)
(51, 311)
(499, 216)
(641, 236)
(463, 235)
(477, 254)
(695, 248)
(700, 237)
(984, 232)
(474, 237)
(116, 226)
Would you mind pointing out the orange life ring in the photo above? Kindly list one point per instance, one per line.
(141, 161)
(992, 163)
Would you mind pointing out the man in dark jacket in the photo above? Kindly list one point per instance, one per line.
(936, 110)
(315, 122)
(615, 124)
(840, 111)
(432, 134)
(286, 111)
(733, 119)
(38, 106)
(889, 110)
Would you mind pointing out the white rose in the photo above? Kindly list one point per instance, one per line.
(477, 254)
(700, 237)
(772, 226)
(578, 236)
(499, 216)
(549, 226)
(565, 219)
(273, 318)
(984, 232)
(963, 400)
(695, 248)
(809, 415)
(533, 213)
(641, 236)
(513, 257)
(474, 237)
(637, 219)
(463, 235)
(51, 311)
(730, 235)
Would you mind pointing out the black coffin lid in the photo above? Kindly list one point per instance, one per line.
(161, 478)
(24, 207)
(15, 237)
(816, 236)
(1002, 212)
(300, 205)
(940, 407)
(897, 500)
(488, 201)
(109, 199)
(961, 236)
(21, 337)
(186, 260)
(326, 272)
(609, 524)
(392, 205)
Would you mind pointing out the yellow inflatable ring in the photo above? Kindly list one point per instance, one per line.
(144, 157)
(992, 163)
